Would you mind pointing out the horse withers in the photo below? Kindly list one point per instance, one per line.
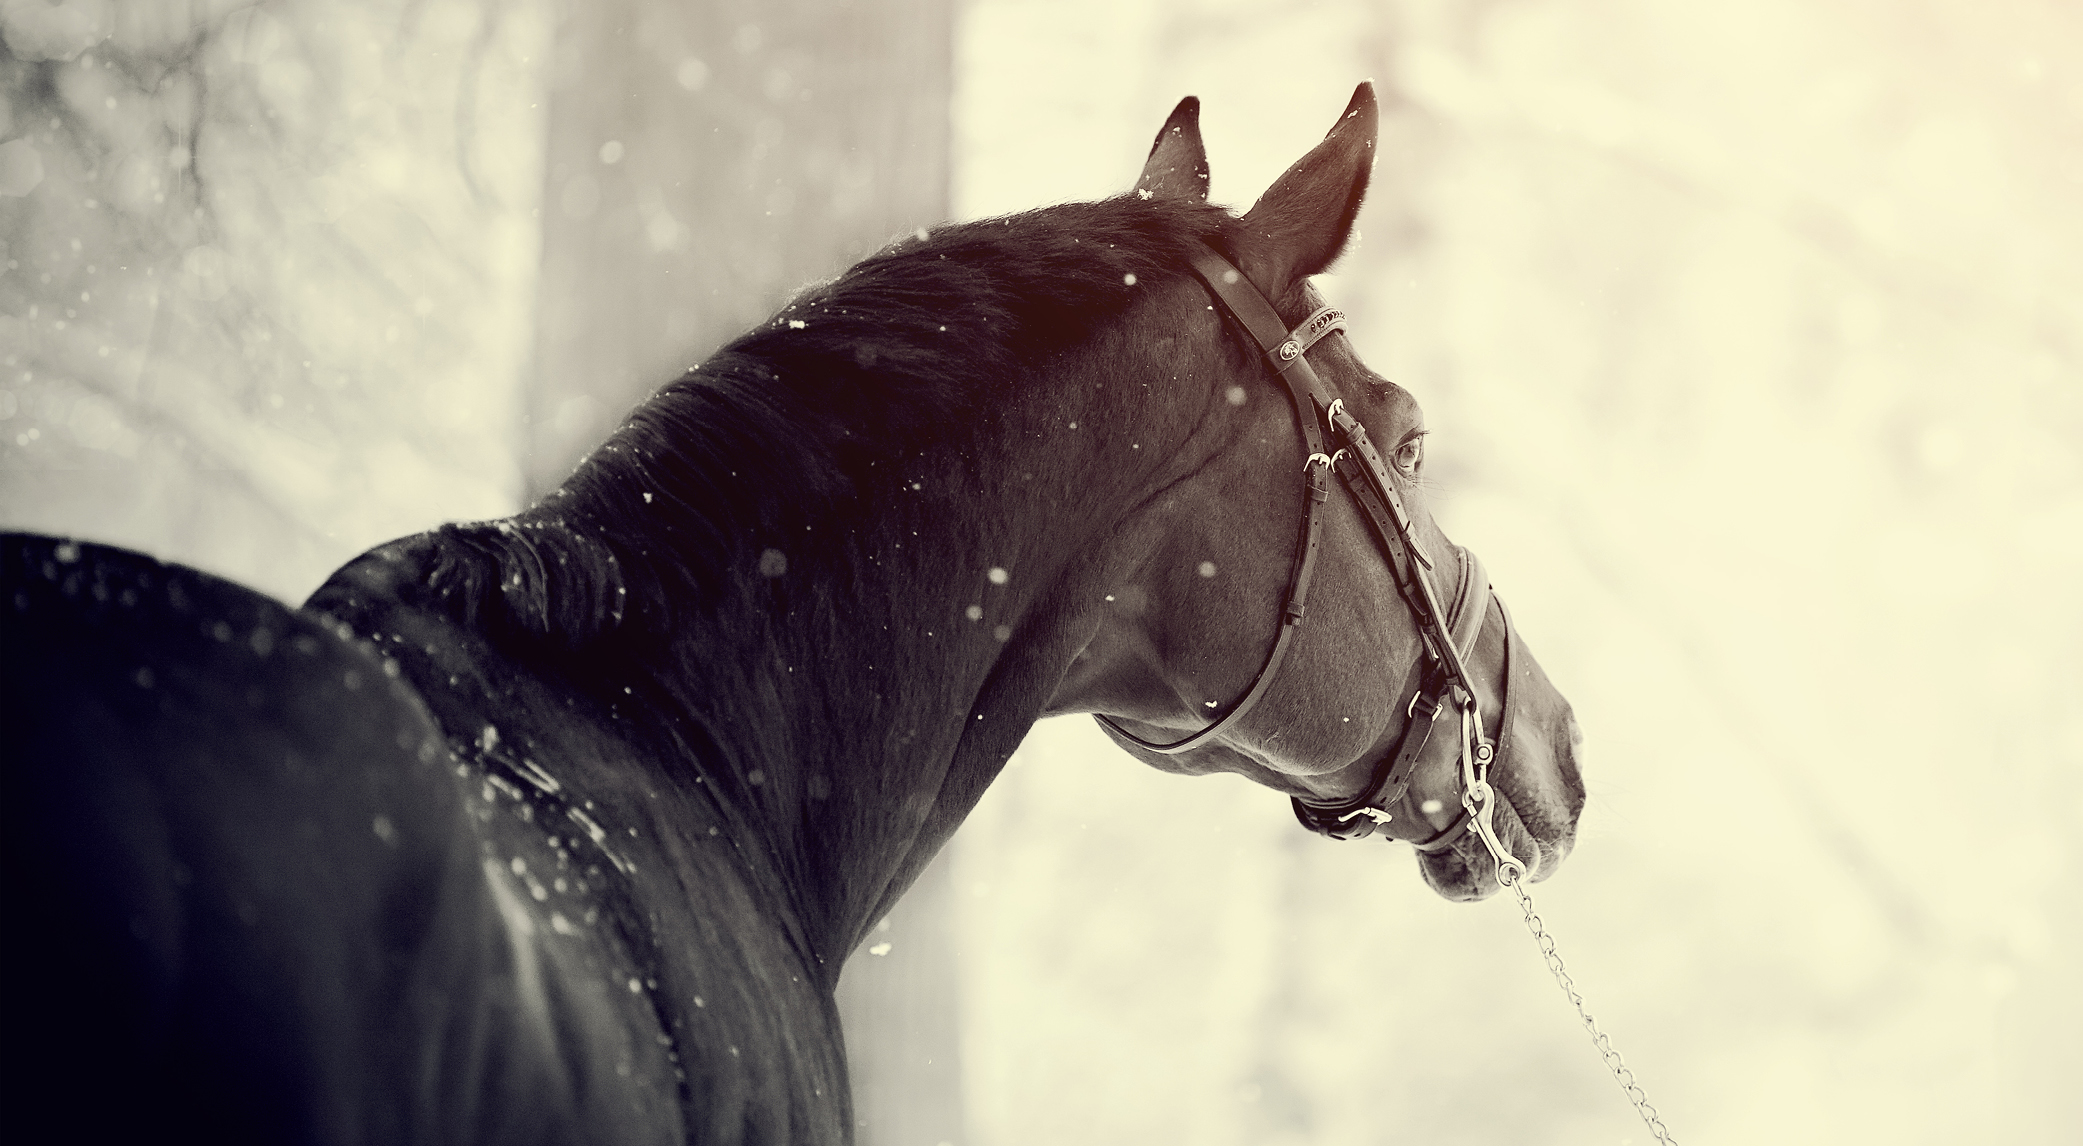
(560, 827)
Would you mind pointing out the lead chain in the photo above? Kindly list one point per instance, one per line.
(1476, 797)
(1621, 1075)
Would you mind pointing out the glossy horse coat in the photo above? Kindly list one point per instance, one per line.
(560, 827)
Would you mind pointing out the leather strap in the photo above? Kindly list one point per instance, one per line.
(1423, 738)
(1306, 394)
(1467, 620)
(1447, 689)
(1309, 331)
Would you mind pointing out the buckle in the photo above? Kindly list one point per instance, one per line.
(1331, 823)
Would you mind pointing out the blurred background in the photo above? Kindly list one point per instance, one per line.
(1750, 336)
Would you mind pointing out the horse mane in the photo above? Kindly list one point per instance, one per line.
(808, 414)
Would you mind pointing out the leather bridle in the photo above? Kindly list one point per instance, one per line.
(1334, 441)
(1449, 636)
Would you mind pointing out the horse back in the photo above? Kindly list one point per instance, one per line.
(244, 875)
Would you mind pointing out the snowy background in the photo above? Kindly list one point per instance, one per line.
(1751, 339)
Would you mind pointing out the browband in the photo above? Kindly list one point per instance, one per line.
(1301, 338)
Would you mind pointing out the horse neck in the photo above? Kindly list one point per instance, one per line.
(860, 686)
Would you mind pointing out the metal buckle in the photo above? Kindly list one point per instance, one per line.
(1478, 798)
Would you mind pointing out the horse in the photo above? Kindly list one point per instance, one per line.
(560, 827)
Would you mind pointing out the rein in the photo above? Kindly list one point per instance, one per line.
(1449, 634)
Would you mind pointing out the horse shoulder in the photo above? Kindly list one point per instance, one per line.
(260, 880)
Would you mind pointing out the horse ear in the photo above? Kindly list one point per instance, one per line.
(1299, 226)
(1178, 164)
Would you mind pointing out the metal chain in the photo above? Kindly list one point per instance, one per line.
(1478, 798)
(1621, 1075)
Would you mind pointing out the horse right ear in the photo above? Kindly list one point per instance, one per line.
(1299, 227)
(1178, 164)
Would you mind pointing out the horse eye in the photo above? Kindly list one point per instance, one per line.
(1409, 456)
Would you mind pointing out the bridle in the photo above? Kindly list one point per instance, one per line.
(1449, 634)
(1334, 441)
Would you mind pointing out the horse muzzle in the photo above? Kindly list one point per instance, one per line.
(1479, 811)
(1535, 797)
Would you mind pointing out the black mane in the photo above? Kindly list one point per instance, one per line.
(810, 415)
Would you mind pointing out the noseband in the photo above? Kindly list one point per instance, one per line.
(1449, 634)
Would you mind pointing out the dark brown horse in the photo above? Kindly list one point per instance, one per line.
(558, 828)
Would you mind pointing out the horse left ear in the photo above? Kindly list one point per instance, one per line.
(1178, 164)
(1299, 226)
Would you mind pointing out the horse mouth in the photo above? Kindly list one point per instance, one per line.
(1465, 871)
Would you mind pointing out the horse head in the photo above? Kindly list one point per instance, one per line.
(1201, 659)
